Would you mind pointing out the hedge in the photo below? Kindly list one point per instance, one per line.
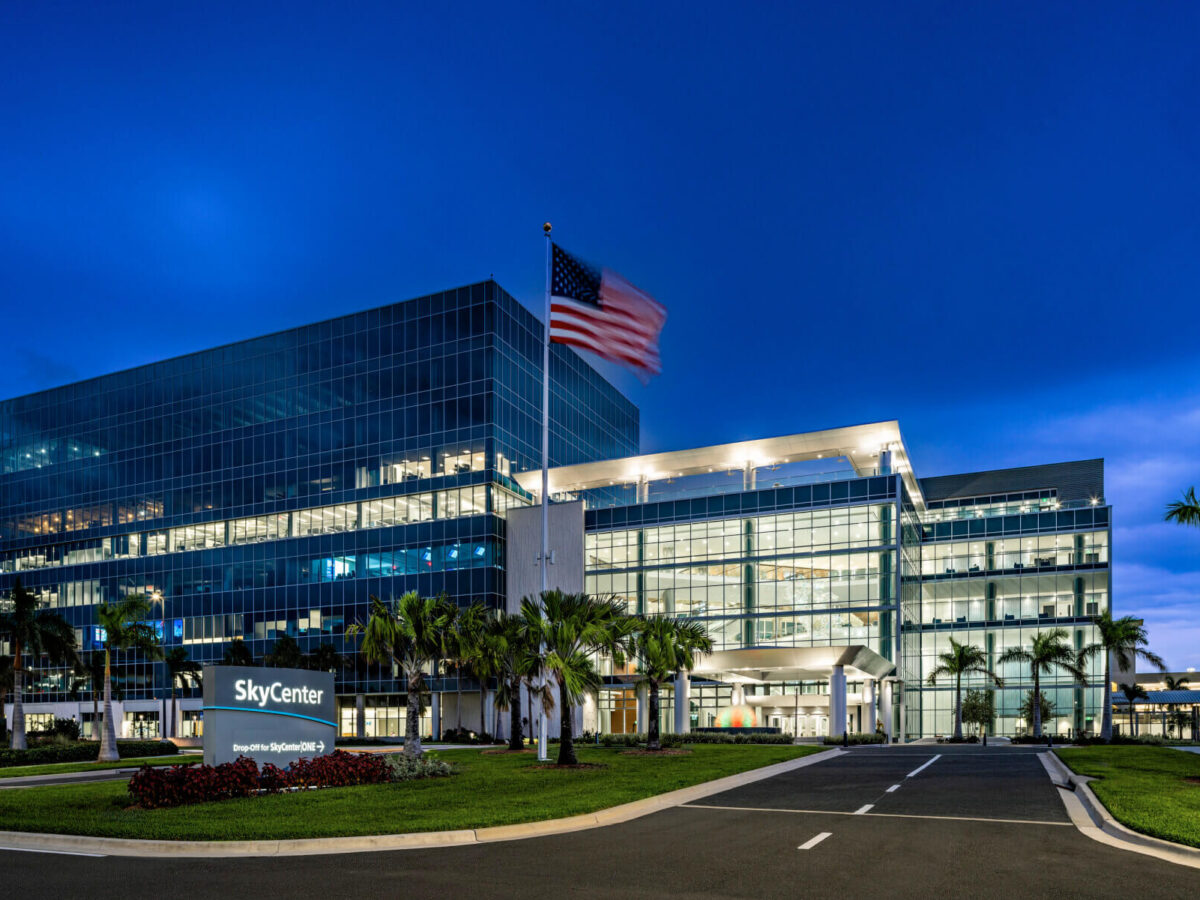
(82, 751)
(859, 737)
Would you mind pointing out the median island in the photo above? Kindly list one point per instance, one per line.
(485, 790)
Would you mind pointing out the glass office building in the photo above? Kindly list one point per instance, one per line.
(269, 487)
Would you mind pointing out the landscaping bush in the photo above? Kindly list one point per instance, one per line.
(156, 787)
(858, 737)
(668, 741)
(741, 737)
(81, 751)
(1141, 740)
(65, 730)
(406, 768)
(465, 736)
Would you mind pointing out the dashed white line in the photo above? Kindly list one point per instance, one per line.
(894, 787)
(923, 766)
(813, 841)
(58, 852)
(864, 809)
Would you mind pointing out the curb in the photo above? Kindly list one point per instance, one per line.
(1093, 819)
(102, 846)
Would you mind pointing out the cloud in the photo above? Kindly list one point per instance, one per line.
(1168, 602)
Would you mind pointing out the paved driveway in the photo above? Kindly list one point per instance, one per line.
(895, 822)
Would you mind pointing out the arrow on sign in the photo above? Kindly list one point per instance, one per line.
(320, 746)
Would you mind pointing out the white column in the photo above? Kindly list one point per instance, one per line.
(748, 476)
(737, 695)
(489, 711)
(591, 712)
(869, 702)
(360, 716)
(435, 710)
(885, 708)
(683, 692)
(643, 709)
(837, 702)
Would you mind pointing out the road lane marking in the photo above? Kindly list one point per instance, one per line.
(920, 767)
(894, 787)
(812, 842)
(56, 852)
(838, 812)
(862, 810)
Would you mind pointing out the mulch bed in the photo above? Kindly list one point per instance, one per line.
(504, 752)
(656, 752)
(551, 767)
(1192, 779)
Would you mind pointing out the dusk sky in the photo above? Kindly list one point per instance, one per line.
(983, 222)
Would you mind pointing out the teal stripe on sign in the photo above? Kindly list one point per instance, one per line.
(272, 712)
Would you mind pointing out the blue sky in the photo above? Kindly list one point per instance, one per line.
(980, 219)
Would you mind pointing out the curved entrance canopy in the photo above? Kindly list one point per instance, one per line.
(765, 664)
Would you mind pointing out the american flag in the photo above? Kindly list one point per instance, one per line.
(600, 311)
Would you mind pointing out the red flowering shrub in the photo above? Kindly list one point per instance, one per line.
(154, 787)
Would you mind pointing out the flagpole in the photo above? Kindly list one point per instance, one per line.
(543, 559)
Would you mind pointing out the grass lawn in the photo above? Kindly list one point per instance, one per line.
(93, 766)
(487, 790)
(1145, 788)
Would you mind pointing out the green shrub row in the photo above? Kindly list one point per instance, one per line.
(82, 751)
(719, 737)
(858, 737)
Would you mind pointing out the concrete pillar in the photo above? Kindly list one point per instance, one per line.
(360, 716)
(748, 476)
(885, 462)
(489, 712)
(869, 703)
(643, 709)
(591, 712)
(885, 709)
(436, 711)
(643, 489)
(683, 692)
(837, 702)
(737, 695)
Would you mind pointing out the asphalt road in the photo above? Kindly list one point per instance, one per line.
(916, 821)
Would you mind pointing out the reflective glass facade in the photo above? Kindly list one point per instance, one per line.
(269, 487)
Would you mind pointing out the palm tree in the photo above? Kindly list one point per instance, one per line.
(571, 628)
(463, 648)
(1175, 684)
(960, 660)
(1045, 707)
(517, 662)
(324, 659)
(1049, 650)
(1185, 511)
(1127, 640)
(285, 654)
(32, 631)
(124, 627)
(89, 673)
(664, 647)
(409, 634)
(181, 671)
(237, 654)
(6, 686)
(1133, 692)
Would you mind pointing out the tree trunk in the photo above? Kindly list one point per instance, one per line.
(1106, 717)
(95, 714)
(18, 722)
(3, 721)
(566, 745)
(958, 707)
(1037, 705)
(108, 741)
(516, 740)
(412, 725)
(653, 741)
(483, 692)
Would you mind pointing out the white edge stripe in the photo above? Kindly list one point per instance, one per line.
(923, 766)
(812, 842)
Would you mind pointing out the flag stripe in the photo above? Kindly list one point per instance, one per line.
(601, 312)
